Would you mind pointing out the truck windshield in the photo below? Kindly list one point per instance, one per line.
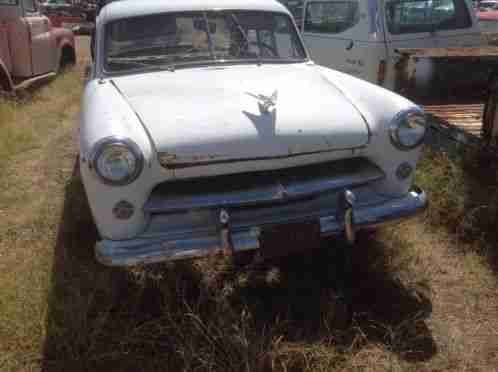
(174, 39)
(418, 16)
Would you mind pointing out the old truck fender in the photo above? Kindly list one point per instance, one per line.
(66, 50)
(6, 83)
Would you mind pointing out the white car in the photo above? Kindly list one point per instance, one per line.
(206, 127)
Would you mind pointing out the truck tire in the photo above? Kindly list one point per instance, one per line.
(92, 44)
(68, 57)
(5, 83)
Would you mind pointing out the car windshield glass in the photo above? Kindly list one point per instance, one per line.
(174, 39)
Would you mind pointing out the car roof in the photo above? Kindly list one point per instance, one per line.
(132, 8)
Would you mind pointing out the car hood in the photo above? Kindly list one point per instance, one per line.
(242, 112)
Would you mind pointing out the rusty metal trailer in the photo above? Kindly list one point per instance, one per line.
(456, 85)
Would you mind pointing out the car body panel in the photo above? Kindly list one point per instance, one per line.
(230, 123)
(228, 98)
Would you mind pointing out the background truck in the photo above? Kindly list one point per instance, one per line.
(362, 37)
(31, 49)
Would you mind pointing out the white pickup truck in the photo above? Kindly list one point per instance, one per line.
(363, 37)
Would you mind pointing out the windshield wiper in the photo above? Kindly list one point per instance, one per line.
(244, 35)
(141, 61)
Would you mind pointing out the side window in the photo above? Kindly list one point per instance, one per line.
(295, 7)
(29, 6)
(415, 16)
(331, 17)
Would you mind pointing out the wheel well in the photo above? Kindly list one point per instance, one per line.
(5, 83)
(68, 56)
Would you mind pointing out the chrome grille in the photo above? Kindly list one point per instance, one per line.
(261, 188)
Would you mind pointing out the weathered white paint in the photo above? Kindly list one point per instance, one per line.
(125, 9)
(227, 121)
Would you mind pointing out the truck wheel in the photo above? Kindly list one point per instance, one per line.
(5, 85)
(68, 57)
(92, 44)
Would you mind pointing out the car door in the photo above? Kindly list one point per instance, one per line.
(43, 48)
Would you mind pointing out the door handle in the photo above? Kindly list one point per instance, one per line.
(350, 45)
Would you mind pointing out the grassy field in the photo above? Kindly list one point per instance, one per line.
(425, 291)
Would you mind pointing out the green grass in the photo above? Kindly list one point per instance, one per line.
(26, 120)
(463, 190)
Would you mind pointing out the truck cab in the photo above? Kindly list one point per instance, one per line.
(361, 37)
(30, 47)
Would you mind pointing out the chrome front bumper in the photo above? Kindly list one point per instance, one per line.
(199, 234)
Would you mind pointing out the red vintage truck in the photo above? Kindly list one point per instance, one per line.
(31, 49)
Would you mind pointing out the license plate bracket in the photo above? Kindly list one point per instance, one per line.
(282, 240)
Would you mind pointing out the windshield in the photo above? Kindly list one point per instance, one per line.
(174, 39)
(490, 5)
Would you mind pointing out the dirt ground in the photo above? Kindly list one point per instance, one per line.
(424, 298)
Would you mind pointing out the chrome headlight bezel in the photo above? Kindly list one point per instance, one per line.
(126, 143)
(401, 119)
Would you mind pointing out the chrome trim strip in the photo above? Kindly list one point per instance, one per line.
(165, 159)
(189, 246)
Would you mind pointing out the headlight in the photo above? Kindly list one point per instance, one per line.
(407, 129)
(117, 161)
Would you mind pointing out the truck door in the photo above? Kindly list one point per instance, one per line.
(43, 48)
(426, 24)
(345, 35)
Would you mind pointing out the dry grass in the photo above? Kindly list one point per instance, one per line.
(425, 292)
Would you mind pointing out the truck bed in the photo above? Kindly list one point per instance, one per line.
(454, 117)
(457, 85)
(488, 51)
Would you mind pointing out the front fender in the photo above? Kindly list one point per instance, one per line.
(64, 43)
(63, 37)
(379, 106)
(106, 113)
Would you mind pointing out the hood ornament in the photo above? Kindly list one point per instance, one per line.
(265, 102)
